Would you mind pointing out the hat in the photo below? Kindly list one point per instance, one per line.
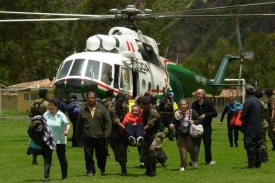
(121, 96)
(249, 89)
(268, 91)
(146, 94)
(145, 100)
(258, 92)
(110, 93)
(42, 92)
(73, 96)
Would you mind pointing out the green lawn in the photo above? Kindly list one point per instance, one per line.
(13, 113)
(16, 165)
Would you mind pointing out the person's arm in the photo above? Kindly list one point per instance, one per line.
(79, 126)
(225, 110)
(67, 129)
(212, 112)
(195, 117)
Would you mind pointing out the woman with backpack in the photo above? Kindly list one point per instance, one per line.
(231, 108)
(182, 121)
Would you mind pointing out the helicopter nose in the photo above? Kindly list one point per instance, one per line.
(76, 85)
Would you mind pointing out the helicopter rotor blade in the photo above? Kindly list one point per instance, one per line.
(169, 16)
(224, 8)
(57, 19)
(53, 14)
(237, 27)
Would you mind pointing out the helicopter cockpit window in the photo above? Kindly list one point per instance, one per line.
(65, 69)
(78, 67)
(148, 53)
(106, 75)
(92, 70)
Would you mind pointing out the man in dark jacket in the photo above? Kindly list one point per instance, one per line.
(251, 128)
(206, 111)
(93, 128)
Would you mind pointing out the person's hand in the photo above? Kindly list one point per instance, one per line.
(191, 121)
(202, 116)
(134, 123)
(172, 126)
(220, 123)
(66, 132)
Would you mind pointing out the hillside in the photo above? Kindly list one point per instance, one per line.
(197, 36)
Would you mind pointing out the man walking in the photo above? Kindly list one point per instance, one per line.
(151, 120)
(93, 128)
(116, 140)
(251, 128)
(206, 111)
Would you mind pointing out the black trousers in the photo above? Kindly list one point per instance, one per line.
(74, 142)
(231, 130)
(61, 154)
(207, 141)
(252, 144)
(97, 145)
(134, 130)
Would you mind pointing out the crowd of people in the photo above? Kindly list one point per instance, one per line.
(116, 122)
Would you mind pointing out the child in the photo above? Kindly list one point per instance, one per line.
(133, 126)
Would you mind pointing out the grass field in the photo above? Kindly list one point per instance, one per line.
(16, 165)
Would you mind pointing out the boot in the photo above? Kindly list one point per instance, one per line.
(153, 168)
(251, 162)
(34, 160)
(230, 138)
(148, 168)
(123, 169)
(258, 160)
(236, 143)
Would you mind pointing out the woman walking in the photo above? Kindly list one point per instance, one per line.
(59, 126)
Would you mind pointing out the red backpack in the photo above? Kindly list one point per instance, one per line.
(235, 120)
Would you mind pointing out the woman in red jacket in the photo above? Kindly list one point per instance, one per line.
(133, 126)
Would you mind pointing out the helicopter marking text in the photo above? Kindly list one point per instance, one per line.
(200, 80)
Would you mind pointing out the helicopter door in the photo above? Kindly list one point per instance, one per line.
(144, 79)
(125, 80)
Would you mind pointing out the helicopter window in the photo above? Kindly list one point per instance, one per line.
(149, 86)
(106, 75)
(157, 89)
(65, 69)
(77, 68)
(147, 53)
(92, 70)
(143, 84)
(125, 79)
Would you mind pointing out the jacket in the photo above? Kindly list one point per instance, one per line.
(251, 116)
(180, 115)
(207, 108)
(96, 126)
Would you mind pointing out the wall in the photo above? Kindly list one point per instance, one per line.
(9, 102)
(26, 98)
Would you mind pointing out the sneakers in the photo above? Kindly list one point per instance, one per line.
(91, 174)
(182, 169)
(46, 179)
(132, 141)
(194, 164)
(140, 141)
(212, 163)
(141, 165)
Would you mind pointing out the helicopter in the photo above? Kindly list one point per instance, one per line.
(128, 61)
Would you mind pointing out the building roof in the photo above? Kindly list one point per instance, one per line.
(33, 85)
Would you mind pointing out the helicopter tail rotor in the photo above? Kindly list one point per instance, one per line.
(249, 55)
